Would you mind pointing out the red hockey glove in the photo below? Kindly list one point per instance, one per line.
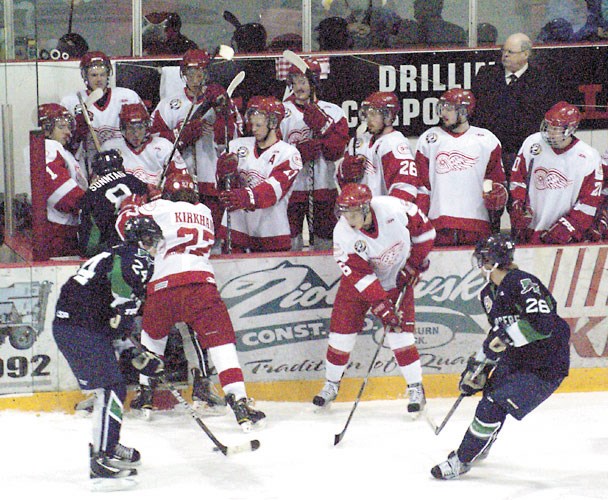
(154, 193)
(81, 129)
(599, 228)
(192, 132)
(410, 274)
(316, 119)
(384, 310)
(237, 199)
(227, 165)
(560, 233)
(217, 96)
(521, 216)
(133, 201)
(496, 198)
(352, 169)
(310, 149)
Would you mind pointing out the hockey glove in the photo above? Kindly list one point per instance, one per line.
(521, 216)
(133, 201)
(316, 119)
(560, 233)
(496, 342)
(496, 198)
(217, 96)
(474, 377)
(310, 149)
(82, 129)
(352, 169)
(227, 167)
(237, 199)
(599, 228)
(410, 274)
(149, 364)
(384, 310)
(193, 131)
(124, 317)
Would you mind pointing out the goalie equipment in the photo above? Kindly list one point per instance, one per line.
(246, 416)
(463, 101)
(385, 102)
(451, 468)
(495, 249)
(495, 195)
(559, 124)
(326, 395)
(105, 162)
(143, 232)
(149, 364)
(417, 398)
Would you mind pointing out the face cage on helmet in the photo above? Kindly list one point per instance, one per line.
(101, 64)
(183, 72)
(363, 208)
(272, 120)
(567, 131)
(461, 109)
(48, 124)
(386, 112)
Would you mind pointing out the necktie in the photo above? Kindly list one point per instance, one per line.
(512, 79)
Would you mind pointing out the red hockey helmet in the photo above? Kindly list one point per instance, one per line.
(462, 100)
(48, 114)
(385, 102)
(269, 106)
(180, 186)
(134, 113)
(354, 197)
(313, 65)
(195, 58)
(92, 59)
(560, 122)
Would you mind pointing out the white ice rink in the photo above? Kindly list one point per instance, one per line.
(560, 451)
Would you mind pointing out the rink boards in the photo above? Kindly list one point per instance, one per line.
(280, 305)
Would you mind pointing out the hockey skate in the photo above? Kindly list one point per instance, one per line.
(206, 399)
(106, 477)
(86, 405)
(143, 401)
(451, 468)
(246, 416)
(417, 398)
(326, 395)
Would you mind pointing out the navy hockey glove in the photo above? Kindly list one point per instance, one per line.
(496, 342)
(560, 233)
(149, 364)
(474, 377)
(122, 322)
(384, 310)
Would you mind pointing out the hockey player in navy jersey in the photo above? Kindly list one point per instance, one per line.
(100, 204)
(95, 306)
(523, 360)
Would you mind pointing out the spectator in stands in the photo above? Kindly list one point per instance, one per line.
(556, 182)
(249, 37)
(66, 181)
(432, 28)
(333, 34)
(373, 28)
(512, 97)
(487, 34)
(571, 21)
(161, 34)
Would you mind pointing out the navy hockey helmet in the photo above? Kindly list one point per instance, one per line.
(497, 249)
(108, 161)
(143, 232)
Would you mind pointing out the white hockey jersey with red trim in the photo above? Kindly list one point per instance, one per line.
(452, 168)
(390, 167)
(104, 119)
(564, 182)
(294, 130)
(270, 174)
(188, 235)
(147, 165)
(66, 182)
(371, 260)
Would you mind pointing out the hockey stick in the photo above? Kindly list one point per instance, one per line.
(522, 232)
(361, 129)
(340, 436)
(84, 105)
(226, 53)
(252, 445)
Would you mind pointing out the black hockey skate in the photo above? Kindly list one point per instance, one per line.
(106, 477)
(207, 401)
(246, 416)
(122, 457)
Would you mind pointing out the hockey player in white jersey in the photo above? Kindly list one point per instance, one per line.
(455, 162)
(183, 287)
(66, 181)
(256, 179)
(319, 130)
(381, 245)
(381, 158)
(214, 117)
(96, 70)
(144, 156)
(556, 182)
